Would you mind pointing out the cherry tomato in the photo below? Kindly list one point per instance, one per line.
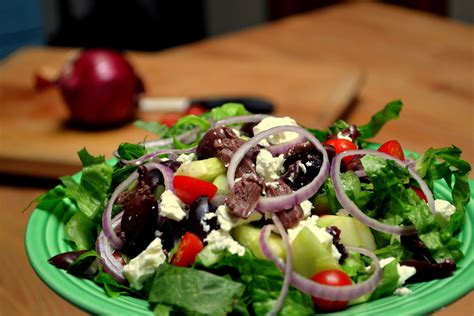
(188, 249)
(341, 145)
(420, 193)
(188, 189)
(334, 278)
(195, 109)
(170, 119)
(392, 148)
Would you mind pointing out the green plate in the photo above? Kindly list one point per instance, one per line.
(45, 237)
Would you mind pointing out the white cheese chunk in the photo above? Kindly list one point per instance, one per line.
(143, 266)
(444, 208)
(306, 206)
(227, 221)
(269, 167)
(323, 236)
(171, 206)
(186, 158)
(278, 138)
(402, 291)
(404, 273)
(218, 240)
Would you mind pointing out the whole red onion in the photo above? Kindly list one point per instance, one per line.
(100, 88)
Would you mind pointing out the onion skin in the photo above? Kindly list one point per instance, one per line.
(100, 89)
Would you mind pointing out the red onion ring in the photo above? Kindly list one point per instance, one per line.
(165, 171)
(288, 268)
(283, 148)
(107, 227)
(352, 208)
(282, 202)
(157, 152)
(241, 119)
(169, 141)
(332, 293)
(106, 252)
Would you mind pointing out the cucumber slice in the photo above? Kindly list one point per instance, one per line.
(310, 256)
(353, 232)
(221, 183)
(206, 169)
(247, 236)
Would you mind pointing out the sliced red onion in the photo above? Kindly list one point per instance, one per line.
(332, 293)
(282, 202)
(288, 268)
(165, 171)
(157, 152)
(186, 136)
(218, 200)
(283, 148)
(106, 252)
(241, 119)
(352, 208)
(107, 227)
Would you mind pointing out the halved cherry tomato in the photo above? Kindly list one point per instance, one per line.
(420, 193)
(195, 109)
(341, 145)
(392, 148)
(169, 119)
(333, 278)
(188, 249)
(188, 189)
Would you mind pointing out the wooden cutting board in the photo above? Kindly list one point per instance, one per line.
(35, 139)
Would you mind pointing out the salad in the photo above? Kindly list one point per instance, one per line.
(230, 212)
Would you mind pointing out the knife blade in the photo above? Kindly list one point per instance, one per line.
(180, 104)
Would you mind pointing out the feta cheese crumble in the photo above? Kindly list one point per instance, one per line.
(323, 236)
(444, 209)
(278, 138)
(218, 240)
(171, 206)
(143, 266)
(404, 273)
(186, 158)
(269, 167)
(227, 221)
(306, 206)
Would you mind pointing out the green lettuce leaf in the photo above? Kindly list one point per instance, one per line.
(390, 112)
(397, 204)
(194, 291)
(446, 164)
(228, 110)
(263, 283)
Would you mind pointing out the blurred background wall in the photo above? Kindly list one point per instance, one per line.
(151, 25)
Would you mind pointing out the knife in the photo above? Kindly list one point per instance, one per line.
(180, 104)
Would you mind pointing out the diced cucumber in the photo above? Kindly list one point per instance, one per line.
(353, 232)
(221, 183)
(206, 169)
(310, 256)
(247, 236)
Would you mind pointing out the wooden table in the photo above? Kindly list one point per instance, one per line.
(424, 60)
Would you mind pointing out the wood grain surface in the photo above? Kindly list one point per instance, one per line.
(424, 60)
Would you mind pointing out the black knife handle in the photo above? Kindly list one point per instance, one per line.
(254, 105)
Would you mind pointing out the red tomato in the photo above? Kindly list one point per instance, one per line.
(170, 119)
(188, 249)
(188, 189)
(420, 193)
(341, 145)
(392, 148)
(195, 109)
(334, 278)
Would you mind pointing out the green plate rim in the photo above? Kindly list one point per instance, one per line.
(45, 237)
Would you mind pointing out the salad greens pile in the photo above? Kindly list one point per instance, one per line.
(248, 284)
